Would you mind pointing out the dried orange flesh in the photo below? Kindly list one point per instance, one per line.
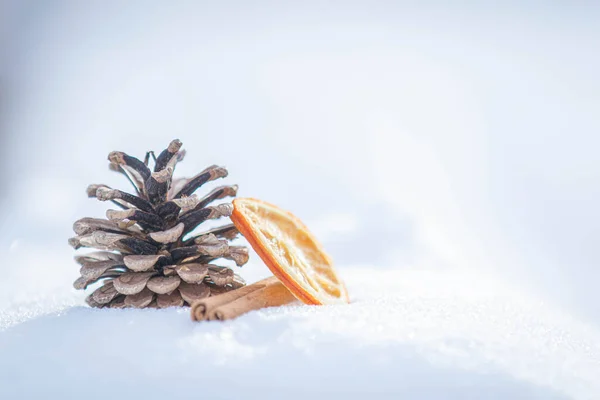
(290, 251)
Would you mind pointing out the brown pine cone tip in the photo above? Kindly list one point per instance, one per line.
(148, 254)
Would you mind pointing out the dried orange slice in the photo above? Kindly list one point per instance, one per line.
(290, 251)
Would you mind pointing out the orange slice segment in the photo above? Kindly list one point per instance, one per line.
(290, 251)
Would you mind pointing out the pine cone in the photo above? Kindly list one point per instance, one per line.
(149, 256)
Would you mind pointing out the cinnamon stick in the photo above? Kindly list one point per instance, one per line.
(269, 292)
(200, 307)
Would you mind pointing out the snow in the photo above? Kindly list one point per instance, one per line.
(407, 334)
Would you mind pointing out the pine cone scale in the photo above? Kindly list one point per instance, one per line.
(93, 270)
(105, 293)
(163, 284)
(141, 263)
(139, 300)
(169, 300)
(132, 282)
(192, 273)
(191, 292)
(168, 236)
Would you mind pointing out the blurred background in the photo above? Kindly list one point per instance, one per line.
(421, 136)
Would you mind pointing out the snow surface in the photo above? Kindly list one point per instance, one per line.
(407, 334)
